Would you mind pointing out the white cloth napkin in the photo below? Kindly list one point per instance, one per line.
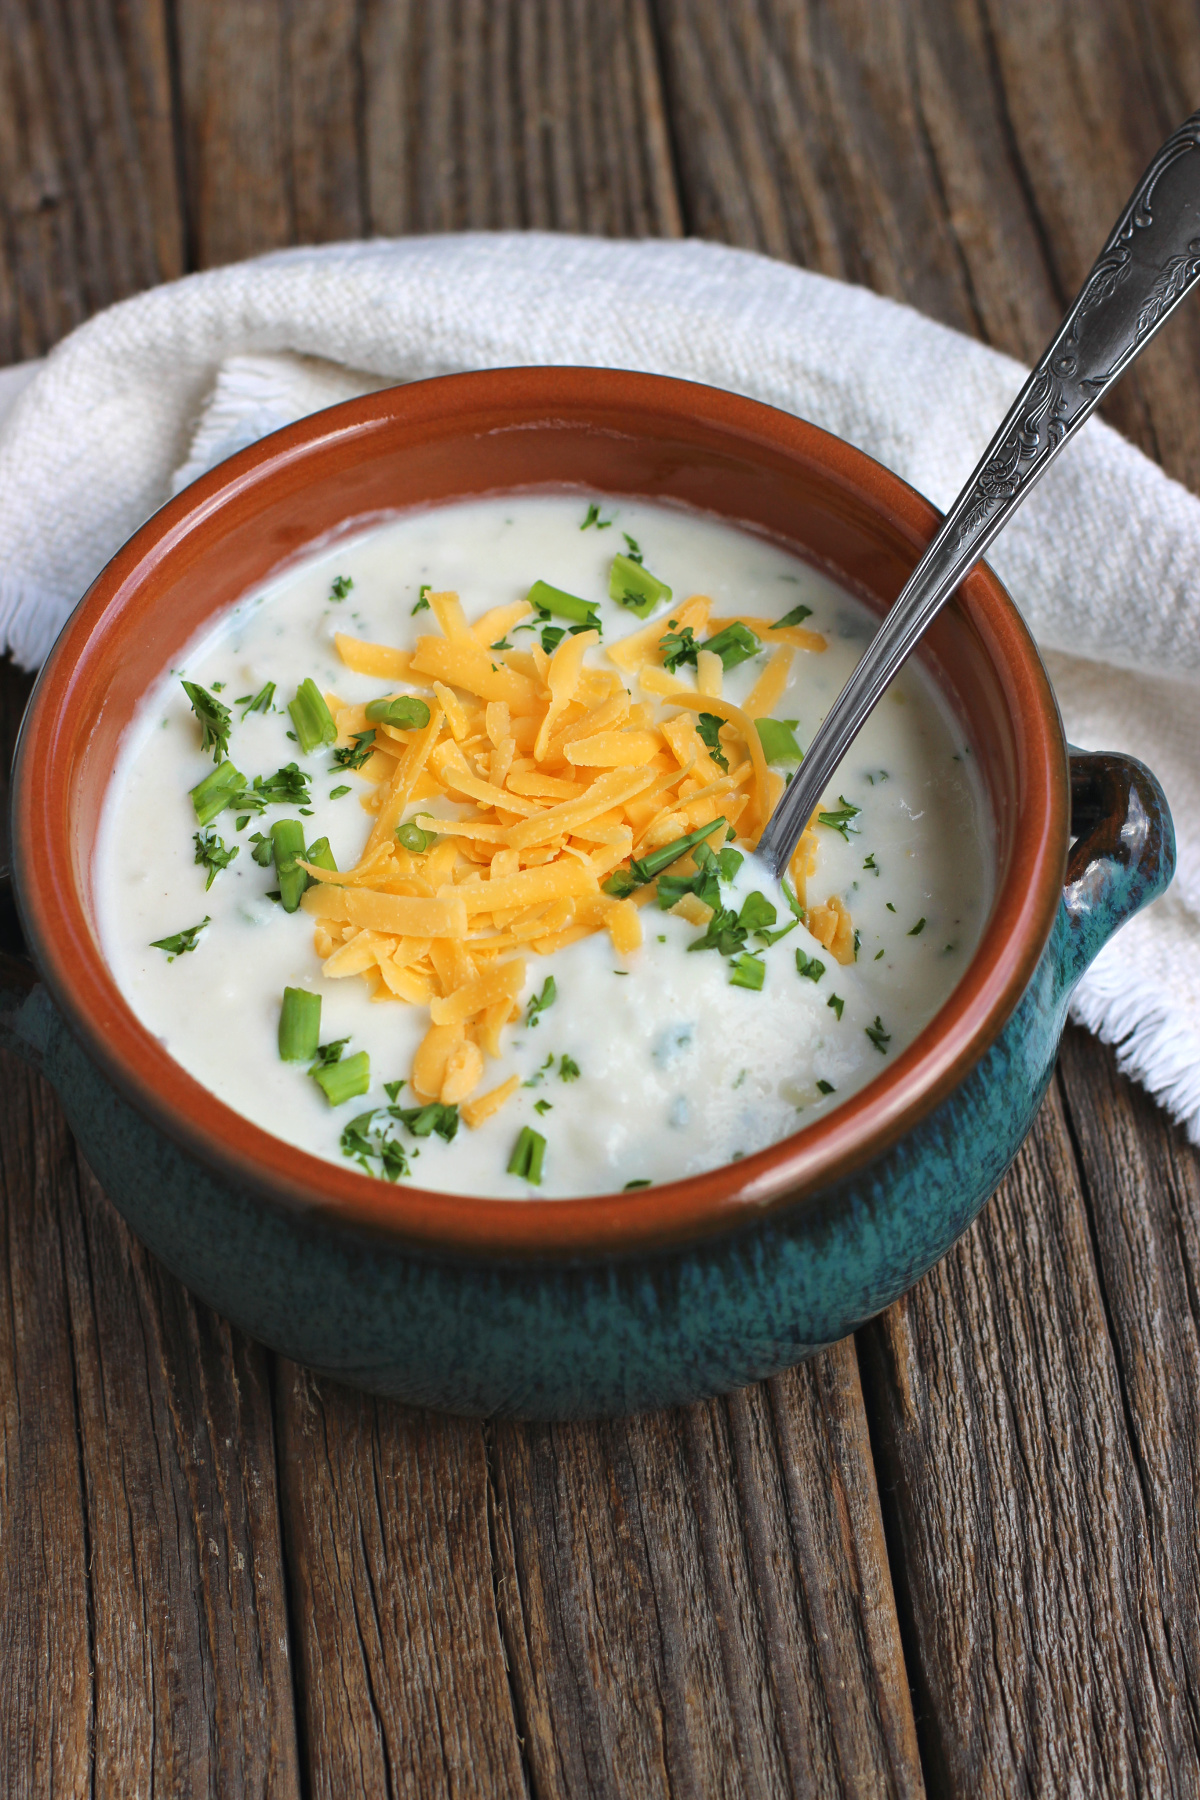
(1104, 559)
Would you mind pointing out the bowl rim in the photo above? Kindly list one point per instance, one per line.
(785, 1174)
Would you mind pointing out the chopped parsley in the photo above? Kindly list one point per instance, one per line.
(709, 727)
(213, 717)
(797, 616)
(633, 548)
(341, 587)
(643, 1182)
(542, 1106)
(540, 1002)
(286, 787)
(425, 1121)
(878, 1036)
(809, 967)
(262, 851)
(872, 864)
(889, 906)
(879, 954)
(841, 820)
(367, 1145)
(182, 942)
(212, 854)
(826, 1087)
(354, 755)
(568, 1069)
(736, 644)
(259, 703)
(678, 647)
(917, 929)
(528, 1152)
(837, 1003)
(422, 602)
(593, 518)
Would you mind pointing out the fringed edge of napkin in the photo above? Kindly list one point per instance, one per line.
(1156, 1043)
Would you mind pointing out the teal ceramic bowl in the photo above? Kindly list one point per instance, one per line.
(622, 1302)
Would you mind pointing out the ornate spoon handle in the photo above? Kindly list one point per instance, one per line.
(1149, 263)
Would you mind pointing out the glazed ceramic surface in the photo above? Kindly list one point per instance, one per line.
(622, 1302)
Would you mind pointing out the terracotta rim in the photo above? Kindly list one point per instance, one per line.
(56, 918)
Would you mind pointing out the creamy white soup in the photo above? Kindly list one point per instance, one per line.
(434, 855)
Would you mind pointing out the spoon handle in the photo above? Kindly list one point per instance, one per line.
(1149, 263)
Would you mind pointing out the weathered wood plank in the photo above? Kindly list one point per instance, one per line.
(705, 1596)
(402, 1675)
(1042, 1657)
(89, 203)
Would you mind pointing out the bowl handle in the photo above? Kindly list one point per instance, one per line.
(1122, 852)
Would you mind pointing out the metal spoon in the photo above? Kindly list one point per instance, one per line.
(1149, 263)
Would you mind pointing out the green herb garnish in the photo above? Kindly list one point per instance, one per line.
(211, 854)
(224, 787)
(260, 702)
(632, 585)
(789, 894)
(837, 1003)
(337, 792)
(871, 864)
(593, 518)
(321, 855)
(182, 942)
(840, 821)
(778, 740)
(633, 548)
(748, 971)
(341, 587)
(568, 1069)
(736, 644)
(286, 787)
(542, 1107)
(917, 929)
(826, 1087)
(552, 600)
(353, 756)
(422, 600)
(287, 846)
(424, 1121)
(539, 1004)
(341, 1078)
(797, 616)
(414, 837)
(878, 1036)
(404, 711)
(641, 870)
(365, 1145)
(678, 647)
(312, 718)
(526, 1159)
(213, 717)
(299, 1025)
(630, 1185)
(809, 967)
(709, 727)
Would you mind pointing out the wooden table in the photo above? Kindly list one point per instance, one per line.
(957, 1553)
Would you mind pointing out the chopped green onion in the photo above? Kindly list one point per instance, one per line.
(797, 616)
(341, 587)
(337, 792)
(345, 1079)
(748, 971)
(404, 711)
(414, 837)
(214, 719)
(789, 894)
(224, 787)
(212, 854)
(562, 605)
(647, 867)
(542, 1001)
(182, 942)
(299, 1025)
(840, 821)
(633, 586)
(736, 644)
(287, 844)
(312, 718)
(778, 740)
(321, 855)
(526, 1159)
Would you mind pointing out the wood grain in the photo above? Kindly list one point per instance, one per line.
(705, 1594)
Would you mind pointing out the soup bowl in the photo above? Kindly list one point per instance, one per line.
(620, 1302)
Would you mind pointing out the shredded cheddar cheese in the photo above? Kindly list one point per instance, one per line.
(555, 777)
